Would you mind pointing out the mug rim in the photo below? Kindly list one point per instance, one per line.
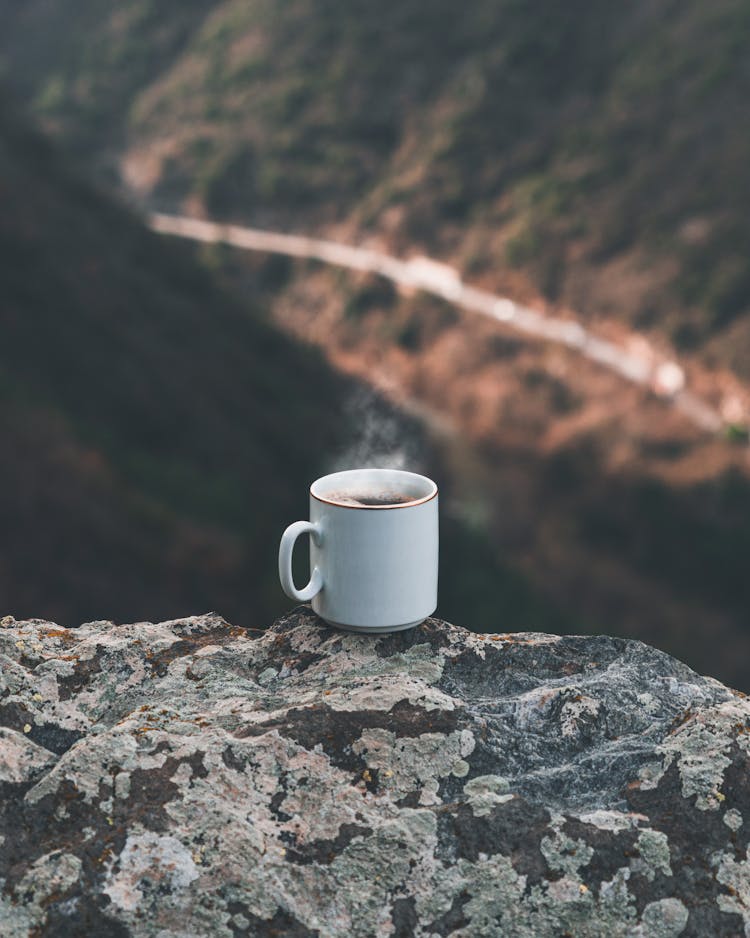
(402, 472)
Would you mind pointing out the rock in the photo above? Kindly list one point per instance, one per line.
(191, 778)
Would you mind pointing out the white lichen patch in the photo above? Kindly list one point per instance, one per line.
(43, 882)
(653, 847)
(573, 707)
(575, 711)
(82, 763)
(566, 890)
(265, 676)
(460, 768)
(733, 819)
(700, 748)
(353, 895)
(418, 662)
(121, 783)
(649, 702)
(735, 875)
(20, 758)
(501, 904)
(14, 677)
(52, 873)
(161, 859)
(665, 918)
(384, 692)
(564, 854)
(649, 775)
(612, 820)
(17, 920)
(313, 815)
(485, 791)
(413, 761)
(367, 682)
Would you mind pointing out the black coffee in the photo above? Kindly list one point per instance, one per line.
(371, 499)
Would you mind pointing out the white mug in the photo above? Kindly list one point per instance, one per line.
(373, 567)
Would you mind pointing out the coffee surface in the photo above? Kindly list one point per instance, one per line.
(370, 499)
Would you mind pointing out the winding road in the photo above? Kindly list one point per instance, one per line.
(662, 376)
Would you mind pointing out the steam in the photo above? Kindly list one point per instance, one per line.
(379, 438)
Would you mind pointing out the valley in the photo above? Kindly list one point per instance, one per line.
(633, 359)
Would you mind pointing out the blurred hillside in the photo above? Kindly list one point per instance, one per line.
(152, 445)
(593, 153)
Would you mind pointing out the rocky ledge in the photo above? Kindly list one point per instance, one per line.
(190, 778)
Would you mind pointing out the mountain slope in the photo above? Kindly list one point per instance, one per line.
(594, 154)
(157, 436)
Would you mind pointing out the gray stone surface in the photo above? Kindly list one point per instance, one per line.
(191, 778)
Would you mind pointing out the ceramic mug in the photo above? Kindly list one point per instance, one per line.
(373, 567)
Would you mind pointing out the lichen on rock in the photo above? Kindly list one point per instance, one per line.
(194, 778)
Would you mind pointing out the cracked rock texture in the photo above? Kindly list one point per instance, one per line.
(190, 778)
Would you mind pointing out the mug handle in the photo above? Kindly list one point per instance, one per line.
(286, 547)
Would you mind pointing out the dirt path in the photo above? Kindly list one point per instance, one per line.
(663, 376)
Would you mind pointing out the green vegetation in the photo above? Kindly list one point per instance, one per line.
(589, 132)
(377, 293)
(736, 433)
